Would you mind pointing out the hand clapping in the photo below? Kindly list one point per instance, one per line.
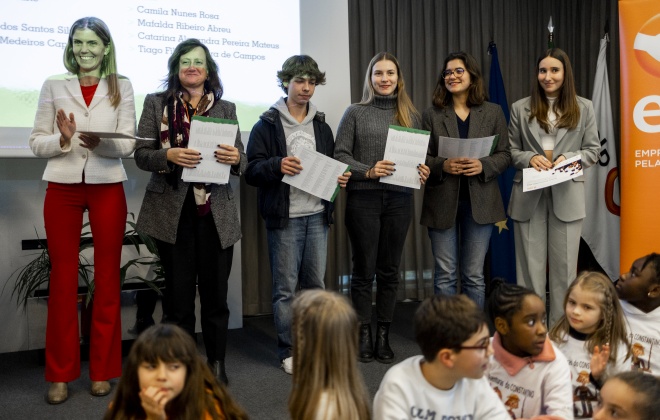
(67, 127)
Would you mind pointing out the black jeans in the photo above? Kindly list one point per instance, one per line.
(377, 222)
(197, 259)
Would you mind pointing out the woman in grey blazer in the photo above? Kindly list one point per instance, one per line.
(195, 225)
(462, 196)
(548, 127)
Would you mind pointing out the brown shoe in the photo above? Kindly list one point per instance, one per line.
(57, 393)
(100, 388)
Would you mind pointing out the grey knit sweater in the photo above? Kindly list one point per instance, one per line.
(361, 138)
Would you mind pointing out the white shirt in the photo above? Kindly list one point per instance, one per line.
(404, 393)
(585, 394)
(644, 329)
(539, 387)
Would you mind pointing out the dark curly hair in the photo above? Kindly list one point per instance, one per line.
(299, 65)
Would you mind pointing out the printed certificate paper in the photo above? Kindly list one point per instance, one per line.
(451, 147)
(205, 135)
(407, 148)
(319, 174)
(568, 169)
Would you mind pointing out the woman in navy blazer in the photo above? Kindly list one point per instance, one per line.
(546, 128)
(462, 197)
(84, 172)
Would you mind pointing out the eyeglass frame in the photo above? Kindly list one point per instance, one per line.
(455, 72)
(197, 63)
(482, 347)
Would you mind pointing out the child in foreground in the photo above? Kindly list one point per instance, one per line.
(165, 378)
(327, 384)
(527, 369)
(631, 396)
(592, 334)
(639, 291)
(447, 381)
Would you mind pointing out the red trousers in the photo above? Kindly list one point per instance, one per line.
(63, 215)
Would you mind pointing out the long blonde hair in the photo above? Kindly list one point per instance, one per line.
(325, 342)
(612, 327)
(406, 113)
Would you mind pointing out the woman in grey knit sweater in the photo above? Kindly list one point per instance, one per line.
(377, 214)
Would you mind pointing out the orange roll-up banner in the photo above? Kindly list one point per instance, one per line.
(639, 28)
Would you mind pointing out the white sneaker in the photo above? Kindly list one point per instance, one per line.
(287, 365)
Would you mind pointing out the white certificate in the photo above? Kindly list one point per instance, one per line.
(319, 174)
(205, 135)
(562, 172)
(451, 147)
(406, 147)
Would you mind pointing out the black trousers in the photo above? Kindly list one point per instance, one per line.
(377, 222)
(197, 259)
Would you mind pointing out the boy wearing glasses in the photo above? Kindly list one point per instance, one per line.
(447, 381)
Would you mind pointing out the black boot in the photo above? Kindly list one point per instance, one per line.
(218, 369)
(366, 344)
(384, 353)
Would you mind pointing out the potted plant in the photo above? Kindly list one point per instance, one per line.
(36, 274)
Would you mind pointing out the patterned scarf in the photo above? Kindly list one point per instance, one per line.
(175, 131)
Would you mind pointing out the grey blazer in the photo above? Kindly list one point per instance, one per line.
(441, 191)
(567, 197)
(161, 207)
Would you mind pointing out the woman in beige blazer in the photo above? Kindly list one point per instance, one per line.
(84, 173)
(546, 128)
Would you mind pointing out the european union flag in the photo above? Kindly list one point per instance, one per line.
(502, 251)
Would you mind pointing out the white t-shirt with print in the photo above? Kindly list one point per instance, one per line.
(404, 393)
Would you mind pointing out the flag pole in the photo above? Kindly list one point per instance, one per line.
(551, 28)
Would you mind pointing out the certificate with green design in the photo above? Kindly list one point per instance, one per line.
(406, 147)
(319, 174)
(205, 135)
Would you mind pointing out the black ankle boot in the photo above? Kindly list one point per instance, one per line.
(366, 344)
(218, 369)
(383, 351)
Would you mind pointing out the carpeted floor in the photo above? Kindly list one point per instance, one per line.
(256, 381)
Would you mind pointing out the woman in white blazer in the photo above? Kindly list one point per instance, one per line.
(546, 128)
(84, 173)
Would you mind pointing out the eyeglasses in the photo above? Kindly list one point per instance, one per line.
(458, 72)
(187, 63)
(482, 346)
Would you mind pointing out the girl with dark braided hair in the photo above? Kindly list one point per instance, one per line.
(593, 335)
(532, 368)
